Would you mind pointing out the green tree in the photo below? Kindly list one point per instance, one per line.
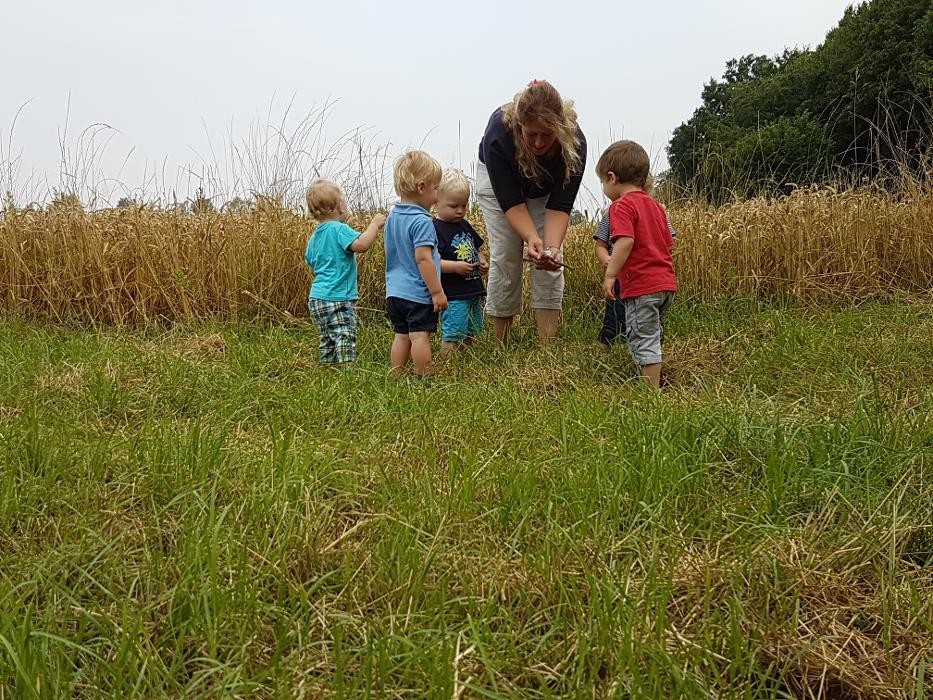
(858, 103)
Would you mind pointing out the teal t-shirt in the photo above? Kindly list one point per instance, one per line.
(334, 264)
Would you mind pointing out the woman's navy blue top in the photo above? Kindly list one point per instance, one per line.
(511, 187)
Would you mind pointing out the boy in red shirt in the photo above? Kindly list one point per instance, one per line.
(641, 258)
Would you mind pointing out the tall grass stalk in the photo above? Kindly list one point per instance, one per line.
(141, 263)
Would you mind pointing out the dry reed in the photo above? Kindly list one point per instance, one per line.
(135, 265)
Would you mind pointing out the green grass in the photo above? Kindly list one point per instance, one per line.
(203, 511)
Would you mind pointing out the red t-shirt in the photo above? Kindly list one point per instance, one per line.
(650, 266)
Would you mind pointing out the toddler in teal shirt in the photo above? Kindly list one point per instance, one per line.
(331, 254)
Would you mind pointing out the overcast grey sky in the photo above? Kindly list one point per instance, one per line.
(170, 76)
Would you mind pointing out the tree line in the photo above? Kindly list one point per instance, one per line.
(858, 108)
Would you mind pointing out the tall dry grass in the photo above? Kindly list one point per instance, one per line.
(139, 264)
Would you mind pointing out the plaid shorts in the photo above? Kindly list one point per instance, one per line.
(336, 322)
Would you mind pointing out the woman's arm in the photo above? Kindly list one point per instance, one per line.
(498, 152)
(520, 221)
(555, 228)
(560, 203)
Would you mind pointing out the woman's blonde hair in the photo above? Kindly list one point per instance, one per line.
(415, 167)
(541, 101)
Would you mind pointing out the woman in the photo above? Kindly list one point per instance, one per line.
(531, 161)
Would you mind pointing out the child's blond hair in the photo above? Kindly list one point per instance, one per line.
(414, 168)
(454, 182)
(324, 199)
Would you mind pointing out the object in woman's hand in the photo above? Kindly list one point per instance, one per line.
(552, 261)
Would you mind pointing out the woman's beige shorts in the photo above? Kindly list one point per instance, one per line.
(506, 249)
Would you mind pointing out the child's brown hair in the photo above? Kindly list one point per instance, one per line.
(628, 161)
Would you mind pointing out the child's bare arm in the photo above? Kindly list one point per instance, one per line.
(368, 237)
(620, 252)
(425, 262)
(456, 267)
(602, 253)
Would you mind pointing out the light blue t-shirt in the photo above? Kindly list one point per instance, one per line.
(334, 264)
(409, 227)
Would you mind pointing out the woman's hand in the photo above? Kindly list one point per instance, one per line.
(535, 247)
(550, 259)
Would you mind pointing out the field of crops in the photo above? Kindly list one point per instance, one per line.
(140, 264)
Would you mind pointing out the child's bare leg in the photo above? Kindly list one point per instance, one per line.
(468, 341)
(420, 352)
(653, 374)
(449, 346)
(401, 349)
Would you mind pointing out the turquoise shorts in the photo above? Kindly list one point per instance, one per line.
(463, 319)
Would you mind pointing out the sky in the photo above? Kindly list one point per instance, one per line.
(186, 91)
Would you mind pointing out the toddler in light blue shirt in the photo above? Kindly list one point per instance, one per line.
(414, 295)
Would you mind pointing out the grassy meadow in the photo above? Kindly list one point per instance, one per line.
(191, 507)
(201, 511)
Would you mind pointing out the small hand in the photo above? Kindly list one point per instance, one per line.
(462, 268)
(609, 288)
(440, 301)
(378, 220)
(483, 266)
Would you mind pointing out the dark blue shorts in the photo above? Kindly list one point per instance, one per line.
(410, 316)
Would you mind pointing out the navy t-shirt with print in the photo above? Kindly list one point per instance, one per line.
(460, 242)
